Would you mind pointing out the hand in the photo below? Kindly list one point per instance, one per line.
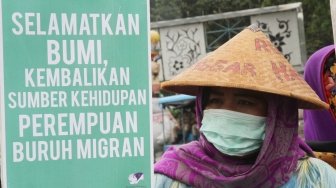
(330, 83)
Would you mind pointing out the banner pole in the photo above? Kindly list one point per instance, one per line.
(333, 19)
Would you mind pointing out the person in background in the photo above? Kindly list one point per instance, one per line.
(320, 125)
(247, 100)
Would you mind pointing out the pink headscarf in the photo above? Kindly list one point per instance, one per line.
(200, 164)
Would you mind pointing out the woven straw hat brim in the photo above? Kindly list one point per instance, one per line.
(192, 88)
(247, 61)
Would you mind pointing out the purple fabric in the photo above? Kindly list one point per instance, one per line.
(199, 164)
(319, 125)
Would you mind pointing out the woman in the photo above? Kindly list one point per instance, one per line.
(247, 100)
(320, 125)
(319, 73)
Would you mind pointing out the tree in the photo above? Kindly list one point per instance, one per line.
(317, 23)
(317, 20)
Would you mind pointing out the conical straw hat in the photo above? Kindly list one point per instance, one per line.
(249, 61)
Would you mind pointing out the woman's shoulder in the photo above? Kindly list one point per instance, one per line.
(162, 181)
(314, 173)
(328, 157)
(318, 165)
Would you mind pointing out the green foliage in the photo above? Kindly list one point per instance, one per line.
(317, 20)
(165, 10)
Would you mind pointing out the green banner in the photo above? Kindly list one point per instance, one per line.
(75, 94)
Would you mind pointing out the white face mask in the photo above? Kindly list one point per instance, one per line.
(233, 133)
